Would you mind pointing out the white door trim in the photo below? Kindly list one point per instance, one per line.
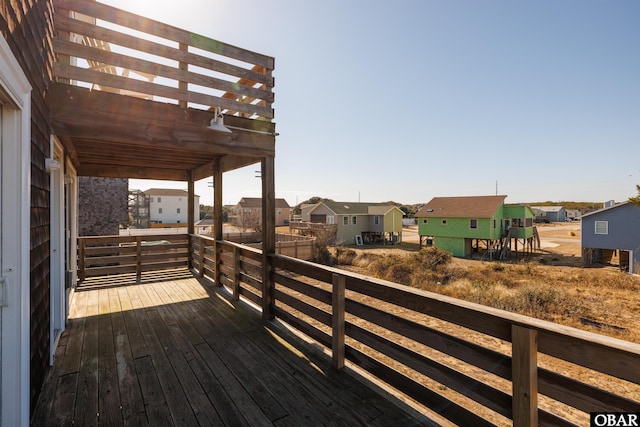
(57, 294)
(16, 195)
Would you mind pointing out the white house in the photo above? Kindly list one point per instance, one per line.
(170, 206)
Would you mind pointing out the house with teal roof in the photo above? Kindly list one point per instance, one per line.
(463, 225)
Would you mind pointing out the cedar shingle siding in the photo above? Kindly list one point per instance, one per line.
(26, 27)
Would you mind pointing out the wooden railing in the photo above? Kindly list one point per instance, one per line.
(471, 364)
(95, 46)
(101, 256)
(314, 228)
(301, 247)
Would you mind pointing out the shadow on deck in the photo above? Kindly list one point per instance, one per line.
(175, 350)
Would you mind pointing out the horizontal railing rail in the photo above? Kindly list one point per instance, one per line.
(114, 50)
(106, 255)
(472, 364)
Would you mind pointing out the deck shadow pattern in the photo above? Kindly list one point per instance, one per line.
(175, 350)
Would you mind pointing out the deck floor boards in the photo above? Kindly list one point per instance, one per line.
(175, 350)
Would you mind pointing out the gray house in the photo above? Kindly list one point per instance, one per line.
(552, 213)
(360, 222)
(612, 235)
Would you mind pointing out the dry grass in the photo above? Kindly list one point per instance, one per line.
(549, 285)
(546, 286)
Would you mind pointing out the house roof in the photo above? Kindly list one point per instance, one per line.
(548, 208)
(462, 207)
(256, 202)
(382, 210)
(167, 192)
(357, 208)
(617, 205)
(205, 222)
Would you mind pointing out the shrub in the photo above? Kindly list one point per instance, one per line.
(542, 302)
(432, 257)
(345, 256)
(418, 269)
(323, 255)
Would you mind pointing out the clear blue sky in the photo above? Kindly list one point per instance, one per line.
(413, 99)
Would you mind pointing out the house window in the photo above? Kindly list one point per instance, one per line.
(159, 210)
(444, 222)
(345, 220)
(178, 210)
(602, 227)
(151, 199)
(376, 220)
(425, 221)
(331, 219)
(279, 211)
(528, 222)
(473, 223)
(354, 220)
(494, 224)
(159, 199)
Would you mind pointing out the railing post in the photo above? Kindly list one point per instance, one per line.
(138, 259)
(216, 262)
(81, 261)
(201, 243)
(337, 321)
(524, 375)
(267, 169)
(236, 273)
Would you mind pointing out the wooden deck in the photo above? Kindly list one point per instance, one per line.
(175, 350)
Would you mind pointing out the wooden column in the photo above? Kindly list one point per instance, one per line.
(190, 221)
(217, 218)
(337, 321)
(191, 196)
(524, 343)
(268, 234)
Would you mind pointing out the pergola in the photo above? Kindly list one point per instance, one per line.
(140, 106)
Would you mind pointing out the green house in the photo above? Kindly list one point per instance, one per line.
(462, 225)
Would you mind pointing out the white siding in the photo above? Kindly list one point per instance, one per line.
(170, 206)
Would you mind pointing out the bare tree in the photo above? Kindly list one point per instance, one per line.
(249, 220)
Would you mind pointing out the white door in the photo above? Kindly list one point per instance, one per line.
(15, 146)
(9, 280)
